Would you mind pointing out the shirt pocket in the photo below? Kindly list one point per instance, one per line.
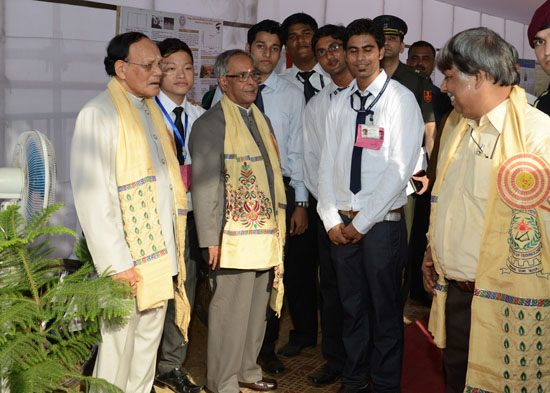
(481, 176)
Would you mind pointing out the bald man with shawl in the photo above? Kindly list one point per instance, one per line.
(488, 260)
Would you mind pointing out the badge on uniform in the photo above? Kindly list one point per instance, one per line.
(369, 136)
(427, 96)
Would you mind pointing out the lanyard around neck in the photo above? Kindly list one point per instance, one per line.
(369, 108)
(176, 131)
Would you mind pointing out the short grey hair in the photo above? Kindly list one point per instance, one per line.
(222, 61)
(480, 49)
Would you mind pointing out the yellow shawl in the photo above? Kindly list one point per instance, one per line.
(255, 227)
(137, 190)
(510, 336)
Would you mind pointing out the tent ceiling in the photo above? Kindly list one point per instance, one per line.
(516, 10)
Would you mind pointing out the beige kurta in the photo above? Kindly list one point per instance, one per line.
(510, 308)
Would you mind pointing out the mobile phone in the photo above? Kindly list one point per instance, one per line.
(417, 184)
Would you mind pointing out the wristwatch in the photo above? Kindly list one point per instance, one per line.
(302, 204)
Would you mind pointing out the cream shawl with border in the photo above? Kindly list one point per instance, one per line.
(510, 327)
(137, 189)
(255, 227)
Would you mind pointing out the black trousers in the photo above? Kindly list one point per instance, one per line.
(173, 346)
(417, 247)
(300, 282)
(330, 305)
(369, 282)
(458, 309)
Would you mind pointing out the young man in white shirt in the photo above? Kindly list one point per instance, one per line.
(328, 45)
(297, 32)
(284, 103)
(373, 139)
(179, 115)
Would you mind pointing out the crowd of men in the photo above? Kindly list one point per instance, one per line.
(312, 184)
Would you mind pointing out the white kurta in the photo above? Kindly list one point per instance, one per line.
(127, 355)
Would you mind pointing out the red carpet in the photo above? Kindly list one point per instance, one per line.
(422, 361)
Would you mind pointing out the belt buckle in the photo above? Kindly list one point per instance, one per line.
(392, 216)
(349, 214)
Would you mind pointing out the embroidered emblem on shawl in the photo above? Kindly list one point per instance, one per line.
(247, 203)
(523, 184)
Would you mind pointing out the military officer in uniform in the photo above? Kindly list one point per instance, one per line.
(416, 81)
(538, 34)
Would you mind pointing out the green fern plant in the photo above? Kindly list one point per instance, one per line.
(49, 323)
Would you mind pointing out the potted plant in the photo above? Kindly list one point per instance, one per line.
(49, 321)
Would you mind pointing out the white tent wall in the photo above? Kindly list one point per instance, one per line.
(51, 55)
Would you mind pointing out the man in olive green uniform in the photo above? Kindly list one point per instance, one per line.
(538, 35)
(416, 81)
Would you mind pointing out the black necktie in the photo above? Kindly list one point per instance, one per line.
(179, 125)
(259, 100)
(355, 178)
(309, 90)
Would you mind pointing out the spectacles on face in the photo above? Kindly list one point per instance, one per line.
(243, 76)
(331, 48)
(147, 67)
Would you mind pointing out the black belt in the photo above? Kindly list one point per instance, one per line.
(466, 286)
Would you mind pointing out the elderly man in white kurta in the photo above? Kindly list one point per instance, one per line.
(131, 203)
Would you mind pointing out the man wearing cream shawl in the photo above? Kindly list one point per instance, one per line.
(131, 203)
(488, 256)
(239, 204)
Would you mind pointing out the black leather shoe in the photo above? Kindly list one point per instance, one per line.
(345, 389)
(324, 376)
(290, 349)
(264, 385)
(271, 365)
(178, 381)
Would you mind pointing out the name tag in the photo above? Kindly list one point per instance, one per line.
(369, 136)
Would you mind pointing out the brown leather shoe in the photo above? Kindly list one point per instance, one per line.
(265, 385)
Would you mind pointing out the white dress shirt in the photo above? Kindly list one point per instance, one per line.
(318, 80)
(193, 112)
(95, 190)
(384, 172)
(314, 133)
(284, 106)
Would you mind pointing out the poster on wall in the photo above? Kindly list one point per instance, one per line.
(203, 35)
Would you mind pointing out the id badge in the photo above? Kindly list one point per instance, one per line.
(185, 171)
(369, 136)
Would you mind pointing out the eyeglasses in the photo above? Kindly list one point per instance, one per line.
(243, 76)
(147, 67)
(331, 48)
